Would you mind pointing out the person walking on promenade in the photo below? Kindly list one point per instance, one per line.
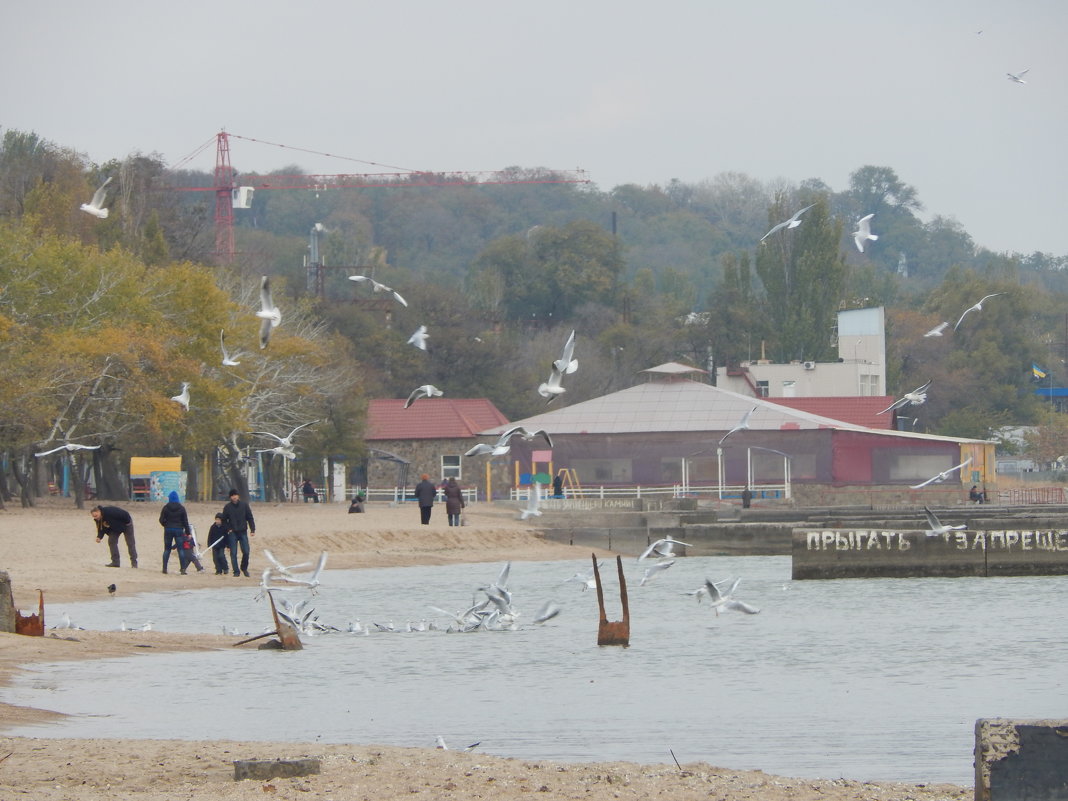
(113, 521)
(175, 522)
(425, 492)
(240, 525)
(454, 501)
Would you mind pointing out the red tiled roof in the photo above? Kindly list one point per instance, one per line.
(861, 410)
(431, 418)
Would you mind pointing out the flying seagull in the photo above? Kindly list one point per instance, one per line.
(977, 307)
(565, 365)
(548, 611)
(280, 450)
(70, 447)
(182, 398)
(914, 398)
(377, 287)
(937, 330)
(654, 571)
(1015, 77)
(793, 222)
(663, 548)
(287, 440)
(419, 338)
(502, 445)
(863, 232)
(96, 205)
(228, 359)
(724, 599)
(269, 313)
(943, 475)
(936, 527)
(425, 391)
(742, 426)
(533, 499)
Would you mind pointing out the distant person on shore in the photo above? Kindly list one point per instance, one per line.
(974, 495)
(217, 541)
(747, 498)
(558, 486)
(240, 525)
(454, 501)
(176, 531)
(425, 493)
(308, 490)
(113, 521)
(356, 507)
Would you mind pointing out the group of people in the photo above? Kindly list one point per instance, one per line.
(229, 533)
(426, 493)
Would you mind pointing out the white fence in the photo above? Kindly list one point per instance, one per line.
(401, 494)
(727, 491)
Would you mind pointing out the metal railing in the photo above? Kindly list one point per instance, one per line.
(401, 494)
(727, 491)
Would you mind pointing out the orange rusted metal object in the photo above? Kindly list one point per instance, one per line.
(287, 635)
(31, 625)
(616, 632)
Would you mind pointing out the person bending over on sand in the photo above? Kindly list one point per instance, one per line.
(113, 521)
(240, 525)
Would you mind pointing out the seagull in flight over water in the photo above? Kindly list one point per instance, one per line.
(663, 548)
(793, 222)
(943, 475)
(936, 527)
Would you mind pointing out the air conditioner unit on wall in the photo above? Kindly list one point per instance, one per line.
(810, 365)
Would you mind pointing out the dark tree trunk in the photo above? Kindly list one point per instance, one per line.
(234, 464)
(109, 483)
(25, 481)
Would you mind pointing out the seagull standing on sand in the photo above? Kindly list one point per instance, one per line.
(425, 391)
(914, 398)
(976, 307)
(377, 287)
(182, 398)
(936, 527)
(268, 313)
(943, 475)
(96, 205)
(742, 426)
(793, 222)
(863, 232)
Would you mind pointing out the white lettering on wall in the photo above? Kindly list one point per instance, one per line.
(962, 540)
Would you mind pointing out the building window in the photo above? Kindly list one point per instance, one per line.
(450, 467)
(762, 389)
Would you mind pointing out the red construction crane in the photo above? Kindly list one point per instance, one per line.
(227, 190)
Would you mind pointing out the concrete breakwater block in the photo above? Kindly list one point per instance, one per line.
(1021, 760)
(274, 768)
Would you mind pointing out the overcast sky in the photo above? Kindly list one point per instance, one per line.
(632, 92)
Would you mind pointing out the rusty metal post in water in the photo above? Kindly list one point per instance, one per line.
(615, 632)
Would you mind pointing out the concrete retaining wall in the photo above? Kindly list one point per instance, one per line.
(1021, 760)
(867, 553)
(7, 604)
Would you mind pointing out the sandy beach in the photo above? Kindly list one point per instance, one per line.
(52, 547)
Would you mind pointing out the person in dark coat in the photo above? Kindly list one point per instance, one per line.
(175, 522)
(425, 492)
(454, 501)
(113, 521)
(217, 541)
(240, 525)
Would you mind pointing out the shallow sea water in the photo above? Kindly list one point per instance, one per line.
(874, 679)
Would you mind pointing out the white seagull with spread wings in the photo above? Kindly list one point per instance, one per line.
(937, 330)
(914, 398)
(976, 307)
(863, 232)
(565, 365)
(943, 475)
(742, 425)
(502, 445)
(96, 205)
(425, 391)
(287, 440)
(1017, 77)
(228, 359)
(70, 447)
(377, 287)
(268, 313)
(663, 548)
(182, 398)
(793, 222)
(419, 338)
(936, 527)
